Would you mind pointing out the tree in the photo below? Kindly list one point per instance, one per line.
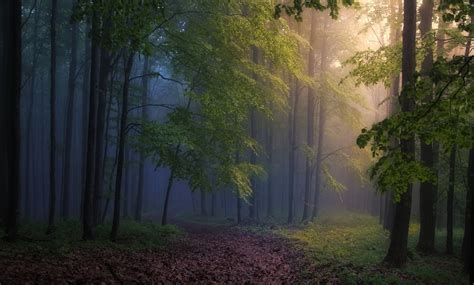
(10, 83)
(52, 104)
(129, 58)
(397, 252)
(88, 223)
(427, 189)
(141, 171)
(310, 118)
(69, 120)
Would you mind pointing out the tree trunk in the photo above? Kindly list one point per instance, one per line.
(427, 189)
(450, 201)
(269, 150)
(321, 128)
(29, 167)
(397, 253)
(10, 111)
(467, 239)
(121, 146)
(141, 171)
(52, 103)
(105, 60)
(253, 155)
(88, 223)
(69, 120)
(164, 216)
(310, 114)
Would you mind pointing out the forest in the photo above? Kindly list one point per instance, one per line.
(236, 141)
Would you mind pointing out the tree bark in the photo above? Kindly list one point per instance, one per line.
(141, 171)
(69, 120)
(88, 219)
(104, 71)
(426, 242)
(397, 252)
(52, 103)
(321, 127)
(122, 135)
(10, 111)
(450, 201)
(310, 114)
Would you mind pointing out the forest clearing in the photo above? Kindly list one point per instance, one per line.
(236, 142)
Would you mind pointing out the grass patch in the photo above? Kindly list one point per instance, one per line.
(355, 244)
(67, 237)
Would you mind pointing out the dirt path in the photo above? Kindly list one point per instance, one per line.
(204, 255)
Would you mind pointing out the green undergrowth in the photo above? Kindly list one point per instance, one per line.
(67, 237)
(355, 244)
(206, 220)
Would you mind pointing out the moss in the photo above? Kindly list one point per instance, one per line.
(355, 244)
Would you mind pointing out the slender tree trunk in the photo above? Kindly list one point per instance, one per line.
(269, 150)
(88, 218)
(29, 167)
(253, 155)
(468, 221)
(397, 253)
(52, 103)
(69, 121)
(396, 15)
(141, 171)
(122, 135)
(427, 189)
(467, 239)
(105, 61)
(310, 123)
(321, 128)
(164, 216)
(10, 12)
(450, 201)
(85, 114)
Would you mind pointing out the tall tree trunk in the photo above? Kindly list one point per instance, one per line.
(269, 150)
(105, 61)
(253, 155)
(397, 252)
(468, 221)
(321, 127)
(122, 135)
(29, 167)
(141, 171)
(10, 12)
(164, 216)
(395, 31)
(85, 114)
(69, 120)
(88, 222)
(467, 239)
(427, 189)
(450, 201)
(52, 103)
(310, 114)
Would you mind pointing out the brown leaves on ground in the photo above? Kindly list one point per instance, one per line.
(205, 255)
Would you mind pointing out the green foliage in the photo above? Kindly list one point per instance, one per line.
(123, 23)
(297, 7)
(372, 67)
(221, 52)
(67, 237)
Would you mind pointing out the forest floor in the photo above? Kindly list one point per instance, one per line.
(204, 253)
(337, 249)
